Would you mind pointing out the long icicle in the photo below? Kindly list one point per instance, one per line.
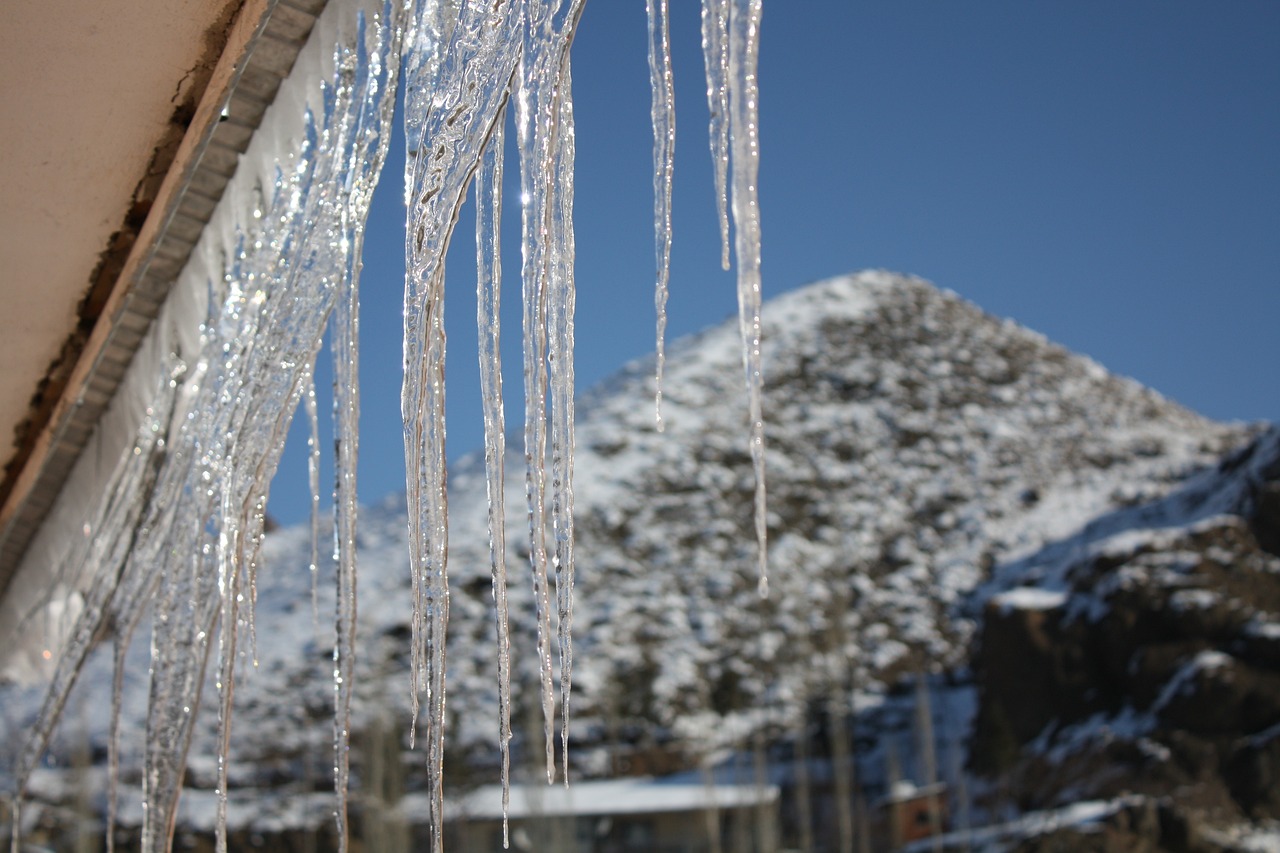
(186, 613)
(744, 52)
(457, 79)
(119, 649)
(207, 502)
(715, 54)
(346, 407)
(538, 119)
(229, 560)
(663, 112)
(374, 52)
(488, 188)
(535, 442)
(107, 558)
(560, 311)
(280, 289)
(313, 483)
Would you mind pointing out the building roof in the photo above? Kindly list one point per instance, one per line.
(634, 796)
(123, 123)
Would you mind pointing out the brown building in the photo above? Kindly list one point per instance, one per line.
(909, 813)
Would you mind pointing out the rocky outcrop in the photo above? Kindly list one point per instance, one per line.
(1147, 656)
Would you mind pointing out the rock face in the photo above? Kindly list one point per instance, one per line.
(935, 475)
(1143, 654)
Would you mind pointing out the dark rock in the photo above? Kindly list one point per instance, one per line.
(1159, 672)
(1265, 521)
(1253, 773)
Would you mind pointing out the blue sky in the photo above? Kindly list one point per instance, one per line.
(1105, 173)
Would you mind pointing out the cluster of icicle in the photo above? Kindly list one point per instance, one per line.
(181, 525)
(190, 499)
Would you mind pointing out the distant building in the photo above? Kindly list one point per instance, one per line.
(910, 813)
(616, 816)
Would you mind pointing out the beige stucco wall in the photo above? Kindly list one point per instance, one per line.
(89, 90)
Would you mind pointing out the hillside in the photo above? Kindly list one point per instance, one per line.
(937, 477)
(1142, 655)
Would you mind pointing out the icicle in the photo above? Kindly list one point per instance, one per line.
(313, 480)
(185, 613)
(121, 646)
(457, 77)
(744, 48)
(488, 320)
(113, 579)
(663, 112)
(190, 531)
(560, 312)
(715, 51)
(280, 290)
(548, 35)
(346, 409)
(229, 588)
(535, 381)
(190, 511)
(367, 61)
(345, 557)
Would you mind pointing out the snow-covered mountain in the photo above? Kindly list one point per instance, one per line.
(935, 475)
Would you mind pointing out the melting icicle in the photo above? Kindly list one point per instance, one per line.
(663, 111)
(313, 480)
(548, 35)
(280, 284)
(715, 50)
(188, 512)
(346, 441)
(226, 659)
(744, 51)
(113, 740)
(488, 325)
(349, 231)
(457, 73)
(114, 575)
(184, 616)
(229, 589)
(560, 311)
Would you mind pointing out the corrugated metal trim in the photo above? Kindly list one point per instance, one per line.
(260, 51)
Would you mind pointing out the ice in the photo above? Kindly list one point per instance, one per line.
(560, 357)
(459, 63)
(715, 50)
(178, 535)
(107, 556)
(545, 145)
(488, 320)
(270, 275)
(663, 112)
(744, 128)
(313, 481)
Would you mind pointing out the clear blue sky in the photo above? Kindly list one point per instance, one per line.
(1105, 173)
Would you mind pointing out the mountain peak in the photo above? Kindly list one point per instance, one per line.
(913, 442)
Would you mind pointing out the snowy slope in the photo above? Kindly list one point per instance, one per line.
(914, 445)
(1142, 654)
